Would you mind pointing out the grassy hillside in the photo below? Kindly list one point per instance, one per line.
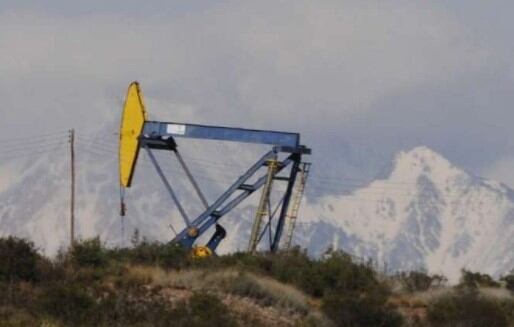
(153, 284)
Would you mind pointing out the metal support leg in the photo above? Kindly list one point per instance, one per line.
(168, 186)
(263, 208)
(191, 179)
(287, 198)
(220, 207)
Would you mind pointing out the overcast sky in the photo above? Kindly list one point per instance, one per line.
(361, 80)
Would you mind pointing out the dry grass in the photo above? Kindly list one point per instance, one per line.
(496, 293)
(256, 300)
(267, 290)
(263, 290)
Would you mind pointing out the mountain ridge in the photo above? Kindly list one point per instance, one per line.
(428, 214)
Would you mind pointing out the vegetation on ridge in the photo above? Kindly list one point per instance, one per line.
(153, 284)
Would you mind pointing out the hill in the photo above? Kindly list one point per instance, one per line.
(152, 284)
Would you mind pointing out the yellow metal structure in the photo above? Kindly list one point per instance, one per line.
(263, 208)
(132, 122)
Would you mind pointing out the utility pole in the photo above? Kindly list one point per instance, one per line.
(72, 198)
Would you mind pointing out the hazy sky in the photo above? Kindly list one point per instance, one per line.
(360, 80)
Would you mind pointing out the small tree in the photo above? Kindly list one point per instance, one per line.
(18, 260)
(89, 253)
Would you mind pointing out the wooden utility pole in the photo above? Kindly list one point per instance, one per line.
(72, 194)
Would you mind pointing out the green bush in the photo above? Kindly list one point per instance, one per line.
(353, 296)
(69, 303)
(18, 260)
(467, 309)
(473, 280)
(354, 309)
(89, 253)
(315, 277)
(168, 255)
(207, 310)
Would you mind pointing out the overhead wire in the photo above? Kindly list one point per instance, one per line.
(343, 187)
(323, 183)
(322, 179)
(49, 149)
(25, 138)
(30, 147)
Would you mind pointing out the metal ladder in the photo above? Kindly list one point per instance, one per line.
(297, 201)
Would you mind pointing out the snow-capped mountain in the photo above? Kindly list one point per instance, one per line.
(425, 213)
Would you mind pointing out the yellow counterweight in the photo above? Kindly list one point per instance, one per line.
(132, 122)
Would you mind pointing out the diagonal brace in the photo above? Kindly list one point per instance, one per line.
(167, 185)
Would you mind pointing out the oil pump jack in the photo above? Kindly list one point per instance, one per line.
(282, 163)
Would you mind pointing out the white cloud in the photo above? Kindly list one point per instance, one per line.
(301, 62)
(502, 170)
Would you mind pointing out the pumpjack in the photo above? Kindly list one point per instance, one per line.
(285, 156)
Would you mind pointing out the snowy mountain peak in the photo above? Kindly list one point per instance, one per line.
(409, 166)
(427, 214)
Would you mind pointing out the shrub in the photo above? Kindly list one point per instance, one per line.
(348, 309)
(207, 310)
(89, 253)
(509, 282)
(169, 255)
(416, 281)
(18, 260)
(467, 309)
(352, 294)
(125, 309)
(68, 303)
(473, 280)
(266, 291)
(339, 272)
(507, 306)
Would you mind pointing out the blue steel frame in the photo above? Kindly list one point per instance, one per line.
(153, 128)
(160, 136)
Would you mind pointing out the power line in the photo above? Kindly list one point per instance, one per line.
(34, 153)
(325, 179)
(30, 147)
(24, 139)
(330, 186)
